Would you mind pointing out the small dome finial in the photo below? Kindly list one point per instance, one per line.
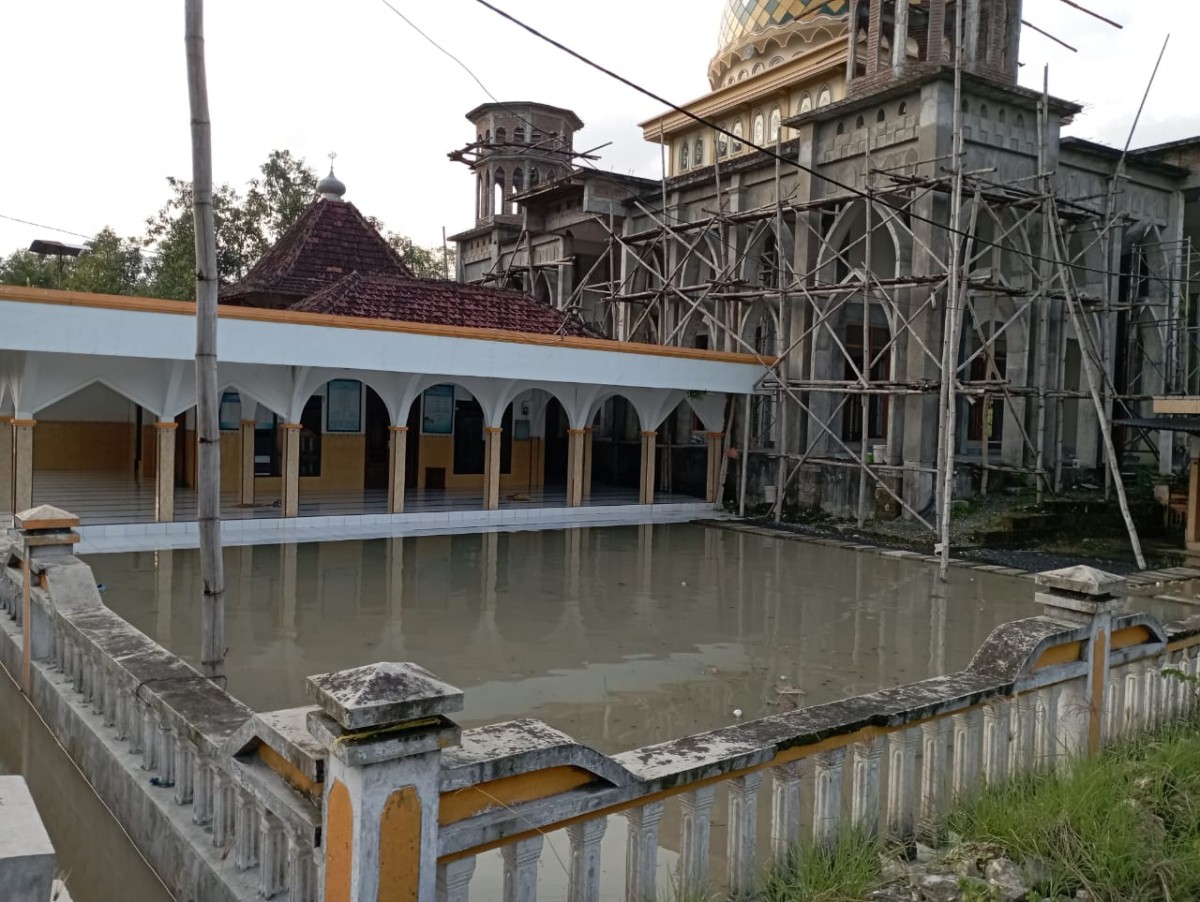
(331, 187)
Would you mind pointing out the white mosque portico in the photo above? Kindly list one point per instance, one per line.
(98, 384)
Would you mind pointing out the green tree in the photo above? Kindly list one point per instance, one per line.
(110, 265)
(32, 270)
(425, 262)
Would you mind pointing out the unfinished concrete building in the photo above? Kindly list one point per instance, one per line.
(947, 294)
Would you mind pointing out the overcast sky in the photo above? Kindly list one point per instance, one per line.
(95, 105)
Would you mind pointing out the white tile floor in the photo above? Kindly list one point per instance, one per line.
(117, 513)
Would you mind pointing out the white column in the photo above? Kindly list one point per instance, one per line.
(6, 467)
(968, 737)
(641, 852)
(785, 810)
(22, 463)
(246, 481)
(164, 471)
(827, 795)
(694, 840)
(586, 841)
(934, 747)
(520, 869)
(743, 833)
(1021, 752)
(397, 468)
(454, 880)
(902, 783)
(864, 789)
(995, 742)
(290, 500)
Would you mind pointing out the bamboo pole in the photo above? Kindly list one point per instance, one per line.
(212, 569)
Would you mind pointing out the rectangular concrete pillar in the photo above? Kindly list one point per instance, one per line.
(397, 465)
(712, 493)
(576, 444)
(22, 463)
(26, 855)
(588, 441)
(164, 471)
(7, 508)
(649, 461)
(290, 499)
(246, 492)
(491, 468)
(1192, 536)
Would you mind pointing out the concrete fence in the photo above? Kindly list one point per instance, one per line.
(374, 793)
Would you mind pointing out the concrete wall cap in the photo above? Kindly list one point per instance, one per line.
(383, 694)
(46, 516)
(1084, 580)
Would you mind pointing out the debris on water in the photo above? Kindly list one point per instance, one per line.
(100, 587)
(712, 669)
(737, 712)
(683, 583)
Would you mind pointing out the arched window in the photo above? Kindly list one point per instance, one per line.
(881, 116)
(768, 263)
(698, 153)
(519, 134)
(758, 67)
(1020, 121)
(805, 104)
(501, 136)
(518, 180)
(683, 156)
(498, 193)
(760, 129)
(860, 122)
(841, 129)
(1002, 116)
(777, 61)
(825, 97)
(983, 112)
(534, 178)
(903, 109)
(738, 133)
(722, 144)
(776, 123)
(743, 75)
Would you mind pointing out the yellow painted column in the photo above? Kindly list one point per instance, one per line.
(6, 468)
(290, 501)
(713, 492)
(491, 467)
(649, 461)
(164, 471)
(588, 441)
(246, 493)
(1192, 537)
(575, 463)
(23, 464)
(398, 464)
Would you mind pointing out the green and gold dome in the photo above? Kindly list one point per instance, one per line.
(748, 26)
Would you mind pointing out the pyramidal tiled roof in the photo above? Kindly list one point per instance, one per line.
(440, 303)
(330, 240)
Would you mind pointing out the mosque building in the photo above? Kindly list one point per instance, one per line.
(807, 214)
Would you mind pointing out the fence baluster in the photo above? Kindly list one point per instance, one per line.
(641, 851)
(785, 810)
(695, 834)
(827, 795)
(520, 869)
(586, 842)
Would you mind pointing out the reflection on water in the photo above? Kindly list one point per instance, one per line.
(98, 862)
(620, 636)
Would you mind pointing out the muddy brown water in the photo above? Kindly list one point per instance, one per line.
(620, 637)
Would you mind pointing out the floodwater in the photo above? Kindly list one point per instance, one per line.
(97, 861)
(620, 637)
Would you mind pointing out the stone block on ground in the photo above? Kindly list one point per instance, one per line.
(26, 854)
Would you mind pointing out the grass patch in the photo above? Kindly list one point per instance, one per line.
(843, 871)
(1125, 826)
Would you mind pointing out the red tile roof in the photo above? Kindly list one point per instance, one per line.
(330, 240)
(440, 303)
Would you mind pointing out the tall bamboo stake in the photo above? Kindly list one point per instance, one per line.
(212, 570)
